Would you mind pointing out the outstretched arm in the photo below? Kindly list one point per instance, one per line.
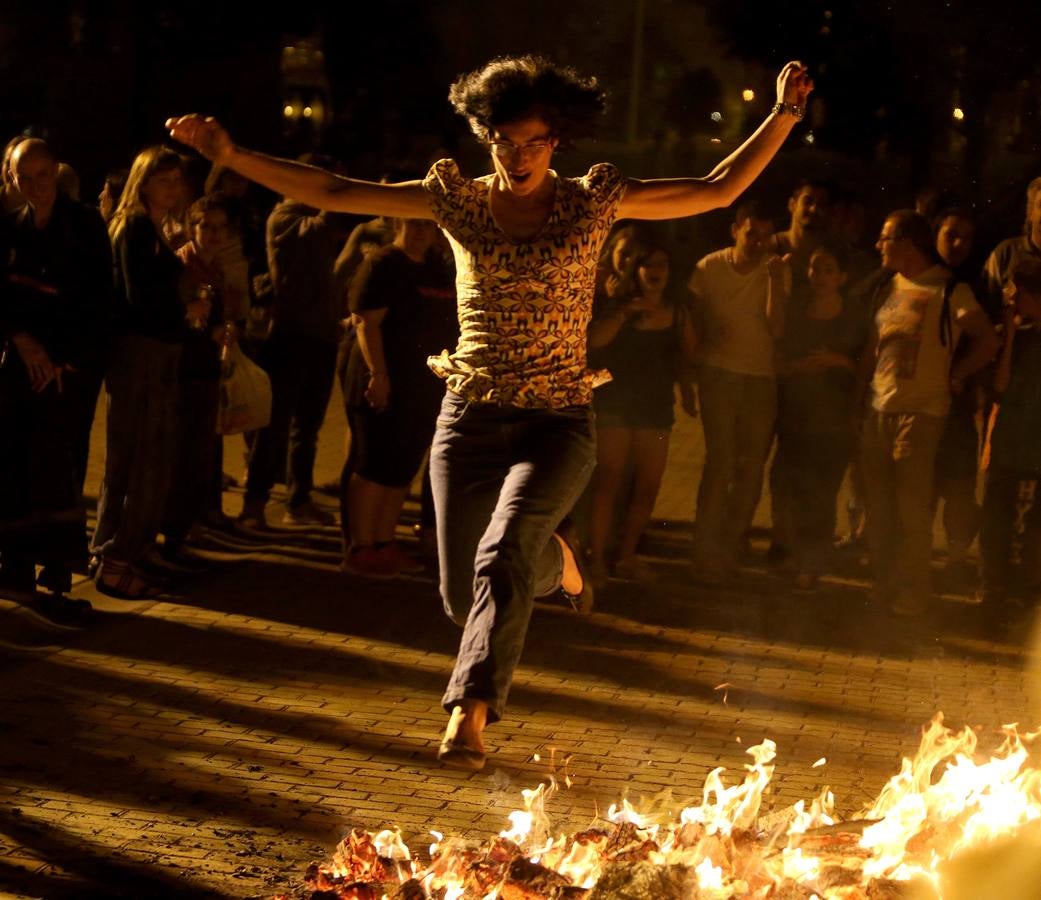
(308, 184)
(669, 198)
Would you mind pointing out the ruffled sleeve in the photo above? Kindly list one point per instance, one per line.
(606, 187)
(446, 190)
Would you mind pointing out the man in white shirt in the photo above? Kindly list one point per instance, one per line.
(738, 390)
(920, 315)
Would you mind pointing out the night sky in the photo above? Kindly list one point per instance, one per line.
(99, 79)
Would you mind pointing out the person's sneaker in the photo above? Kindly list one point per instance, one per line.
(308, 514)
(368, 562)
(400, 560)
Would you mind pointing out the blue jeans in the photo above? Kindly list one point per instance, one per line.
(503, 478)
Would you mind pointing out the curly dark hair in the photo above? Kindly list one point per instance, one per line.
(511, 88)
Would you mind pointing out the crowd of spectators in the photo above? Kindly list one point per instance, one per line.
(903, 369)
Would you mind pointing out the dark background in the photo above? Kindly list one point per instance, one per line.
(98, 79)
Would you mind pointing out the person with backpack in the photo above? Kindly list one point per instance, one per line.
(920, 314)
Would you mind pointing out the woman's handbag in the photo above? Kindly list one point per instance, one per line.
(245, 393)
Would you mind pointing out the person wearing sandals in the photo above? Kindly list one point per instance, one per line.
(514, 443)
(646, 340)
(142, 379)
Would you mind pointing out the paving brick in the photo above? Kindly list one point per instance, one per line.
(277, 705)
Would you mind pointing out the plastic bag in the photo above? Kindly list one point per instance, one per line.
(245, 394)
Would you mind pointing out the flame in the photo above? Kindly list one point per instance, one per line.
(625, 813)
(969, 804)
(944, 811)
(531, 824)
(710, 877)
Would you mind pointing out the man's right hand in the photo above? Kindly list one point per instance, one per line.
(37, 362)
(204, 134)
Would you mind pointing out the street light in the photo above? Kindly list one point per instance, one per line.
(748, 95)
(959, 114)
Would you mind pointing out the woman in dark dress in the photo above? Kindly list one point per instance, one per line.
(403, 304)
(646, 340)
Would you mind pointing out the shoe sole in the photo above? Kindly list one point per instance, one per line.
(583, 601)
(459, 756)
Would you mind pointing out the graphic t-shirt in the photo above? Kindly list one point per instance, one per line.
(736, 334)
(912, 365)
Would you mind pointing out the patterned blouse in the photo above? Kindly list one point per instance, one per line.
(524, 306)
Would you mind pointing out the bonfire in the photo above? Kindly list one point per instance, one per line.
(950, 825)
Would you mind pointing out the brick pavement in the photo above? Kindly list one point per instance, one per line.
(214, 742)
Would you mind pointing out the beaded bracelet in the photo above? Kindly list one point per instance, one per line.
(793, 109)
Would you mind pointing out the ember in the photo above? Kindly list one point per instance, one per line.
(946, 827)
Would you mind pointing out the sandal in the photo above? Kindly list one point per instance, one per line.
(121, 580)
(582, 602)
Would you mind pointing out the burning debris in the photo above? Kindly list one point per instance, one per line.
(945, 827)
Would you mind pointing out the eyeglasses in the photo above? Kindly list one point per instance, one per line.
(507, 152)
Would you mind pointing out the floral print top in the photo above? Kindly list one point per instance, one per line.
(523, 306)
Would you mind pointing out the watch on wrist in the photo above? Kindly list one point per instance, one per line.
(782, 107)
